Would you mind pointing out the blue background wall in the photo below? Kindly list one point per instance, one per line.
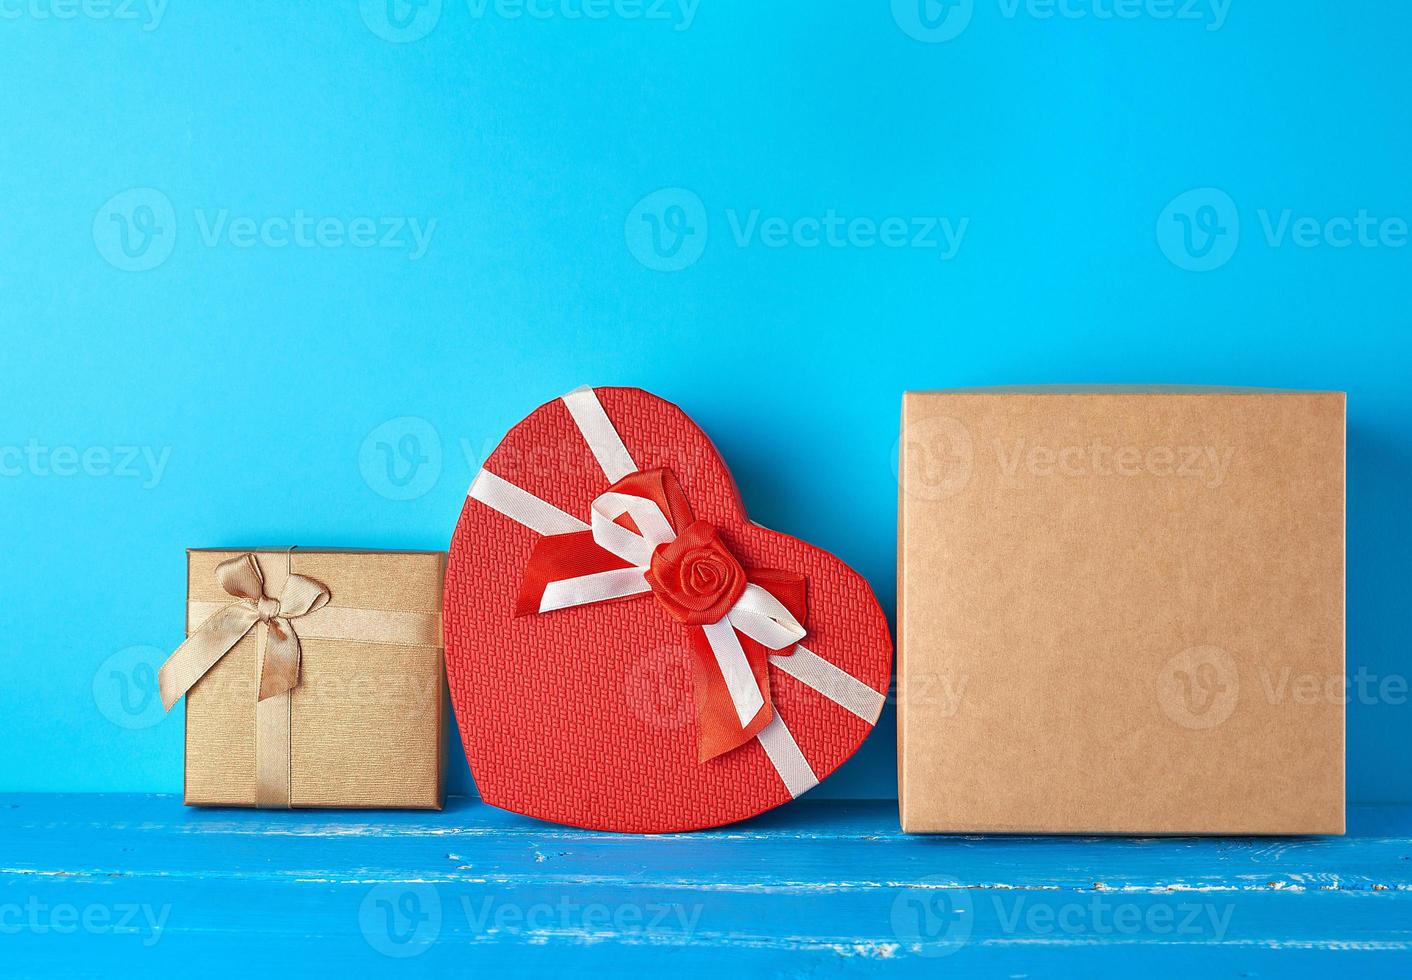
(254, 381)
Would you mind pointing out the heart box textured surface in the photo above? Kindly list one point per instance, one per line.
(591, 714)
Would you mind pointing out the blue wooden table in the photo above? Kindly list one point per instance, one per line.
(117, 884)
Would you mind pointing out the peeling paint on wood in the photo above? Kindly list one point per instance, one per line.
(815, 887)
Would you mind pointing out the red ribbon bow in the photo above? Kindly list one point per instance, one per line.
(697, 581)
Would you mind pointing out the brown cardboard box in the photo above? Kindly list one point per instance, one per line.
(365, 721)
(1121, 610)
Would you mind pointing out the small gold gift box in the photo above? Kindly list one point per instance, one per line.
(313, 678)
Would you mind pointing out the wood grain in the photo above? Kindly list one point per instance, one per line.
(121, 883)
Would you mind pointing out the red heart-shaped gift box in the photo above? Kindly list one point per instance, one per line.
(617, 711)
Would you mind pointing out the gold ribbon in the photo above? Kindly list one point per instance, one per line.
(278, 654)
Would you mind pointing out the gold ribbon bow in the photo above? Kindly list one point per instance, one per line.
(278, 652)
(213, 639)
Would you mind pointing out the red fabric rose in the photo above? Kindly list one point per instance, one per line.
(696, 577)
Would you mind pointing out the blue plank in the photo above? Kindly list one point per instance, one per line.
(819, 888)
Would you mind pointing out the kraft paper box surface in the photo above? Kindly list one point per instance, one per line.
(366, 718)
(1121, 610)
